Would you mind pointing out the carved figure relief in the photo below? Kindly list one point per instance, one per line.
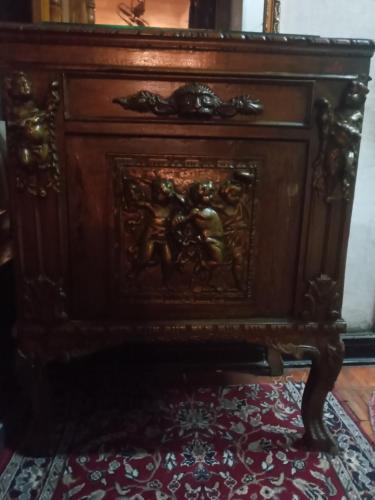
(45, 300)
(188, 229)
(31, 133)
(194, 100)
(322, 300)
(340, 135)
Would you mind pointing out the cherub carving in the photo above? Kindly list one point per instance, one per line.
(207, 226)
(32, 130)
(155, 240)
(235, 216)
(340, 134)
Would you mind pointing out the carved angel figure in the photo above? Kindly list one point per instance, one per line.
(154, 244)
(207, 225)
(32, 131)
(235, 216)
(340, 134)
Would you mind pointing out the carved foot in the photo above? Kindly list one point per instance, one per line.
(326, 365)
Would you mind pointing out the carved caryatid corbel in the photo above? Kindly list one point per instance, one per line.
(321, 300)
(31, 135)
(194, 100)
(340, 136)
(44, 300)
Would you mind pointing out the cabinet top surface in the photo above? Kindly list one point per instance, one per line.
(108, 35)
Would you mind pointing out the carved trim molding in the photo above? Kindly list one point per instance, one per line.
(321, 300)
(340, 136)
(188, 35)
(45, 300)
(32, 137)
(194, 100)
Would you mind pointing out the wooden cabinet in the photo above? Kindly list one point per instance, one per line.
(183, 187)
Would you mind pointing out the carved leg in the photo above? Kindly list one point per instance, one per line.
(326, 365)
(35, 388)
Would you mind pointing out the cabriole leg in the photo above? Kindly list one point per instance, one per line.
(327, 360)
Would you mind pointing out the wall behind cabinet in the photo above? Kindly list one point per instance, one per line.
(345, 18)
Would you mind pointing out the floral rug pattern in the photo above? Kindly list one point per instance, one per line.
(234, 442)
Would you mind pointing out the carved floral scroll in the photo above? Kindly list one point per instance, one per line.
(194, 100)
(321, 301)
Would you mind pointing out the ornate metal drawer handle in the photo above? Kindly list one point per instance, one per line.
(194, 100)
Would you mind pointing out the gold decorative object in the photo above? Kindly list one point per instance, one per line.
(31, 132)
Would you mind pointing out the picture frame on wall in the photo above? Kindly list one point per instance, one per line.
(224, 15)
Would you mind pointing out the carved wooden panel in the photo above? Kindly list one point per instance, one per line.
(184, 228)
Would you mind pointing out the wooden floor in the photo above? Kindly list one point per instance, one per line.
(354, 387)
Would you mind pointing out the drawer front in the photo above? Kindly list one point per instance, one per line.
(261, 102)
(184, 228)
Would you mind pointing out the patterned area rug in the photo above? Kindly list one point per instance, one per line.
(213, 443)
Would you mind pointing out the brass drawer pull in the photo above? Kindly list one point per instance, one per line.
(194, 100)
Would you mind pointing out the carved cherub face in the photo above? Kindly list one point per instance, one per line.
(203, 192)
(19, 87)
(231, 192)
(196, 100)
(357, 94)
(162, 190)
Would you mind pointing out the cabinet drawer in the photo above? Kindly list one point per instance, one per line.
(260, 102)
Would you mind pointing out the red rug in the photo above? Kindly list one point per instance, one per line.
(211, 443)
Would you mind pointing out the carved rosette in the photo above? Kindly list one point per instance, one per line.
(32, 137)
(44, 300)
(340, 136)
(321, 300)
(194, 100)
